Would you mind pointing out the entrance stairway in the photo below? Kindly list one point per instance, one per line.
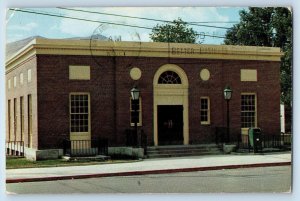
(183, 150)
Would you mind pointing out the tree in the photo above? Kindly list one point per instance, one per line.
(267, 27)
(174, 32)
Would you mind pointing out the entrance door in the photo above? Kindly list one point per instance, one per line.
(170, 124)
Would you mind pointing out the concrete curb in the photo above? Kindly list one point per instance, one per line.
(132, 173)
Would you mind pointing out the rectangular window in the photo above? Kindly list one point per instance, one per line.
(21, 78)
(29, 107)
(15, 81)
(205, 110)
(15, 119)
(8, 120)
(248, 110)
(136, 116)
(22, 117)
(79, 113)
(29, 75)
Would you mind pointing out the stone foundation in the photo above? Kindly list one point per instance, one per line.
(228, 148)
(126, 151)
(47, 154)
(35, 155)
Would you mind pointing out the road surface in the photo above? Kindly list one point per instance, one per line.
(266, 179)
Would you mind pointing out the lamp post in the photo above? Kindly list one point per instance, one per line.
(227, 96)
(135, 96)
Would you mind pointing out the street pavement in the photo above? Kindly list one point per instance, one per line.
(150, 166)
(243, 180)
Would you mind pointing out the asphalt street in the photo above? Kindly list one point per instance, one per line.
(263, 179)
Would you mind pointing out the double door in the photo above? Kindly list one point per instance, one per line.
(170, 124)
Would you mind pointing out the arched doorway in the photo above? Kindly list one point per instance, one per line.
(170, 106)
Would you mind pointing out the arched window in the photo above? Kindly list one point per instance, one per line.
(169, 77)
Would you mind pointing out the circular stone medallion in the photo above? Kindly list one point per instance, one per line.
(135, 73)
(204, 74)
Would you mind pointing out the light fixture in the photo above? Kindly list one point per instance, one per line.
(135, 93)
(227, 93)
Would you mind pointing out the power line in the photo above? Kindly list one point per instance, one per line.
(97, 21)
(141, 18)
(76, 18)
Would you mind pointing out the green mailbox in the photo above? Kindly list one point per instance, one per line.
(255, 138)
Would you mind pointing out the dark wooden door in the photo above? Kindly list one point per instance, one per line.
(170, 124)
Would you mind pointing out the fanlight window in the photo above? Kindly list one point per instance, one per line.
(169, 77)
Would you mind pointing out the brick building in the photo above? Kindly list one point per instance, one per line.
(80, 89)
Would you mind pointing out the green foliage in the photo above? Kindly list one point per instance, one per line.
(174, 32)
(267, 27)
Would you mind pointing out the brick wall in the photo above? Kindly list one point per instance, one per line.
(221, 74)
(110, 114)
(54, 88)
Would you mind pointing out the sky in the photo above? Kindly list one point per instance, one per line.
(21, 25)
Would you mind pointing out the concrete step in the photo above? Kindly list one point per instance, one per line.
(183, 147)
(182, 154)
(182, 150)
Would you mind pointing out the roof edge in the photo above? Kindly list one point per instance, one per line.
(144, 49)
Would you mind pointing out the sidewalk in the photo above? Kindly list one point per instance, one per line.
(149, 166)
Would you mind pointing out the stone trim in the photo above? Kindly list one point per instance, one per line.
(144, 49)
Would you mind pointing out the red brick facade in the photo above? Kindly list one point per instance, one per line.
(110, 86)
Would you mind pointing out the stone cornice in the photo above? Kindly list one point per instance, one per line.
(41, 46)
